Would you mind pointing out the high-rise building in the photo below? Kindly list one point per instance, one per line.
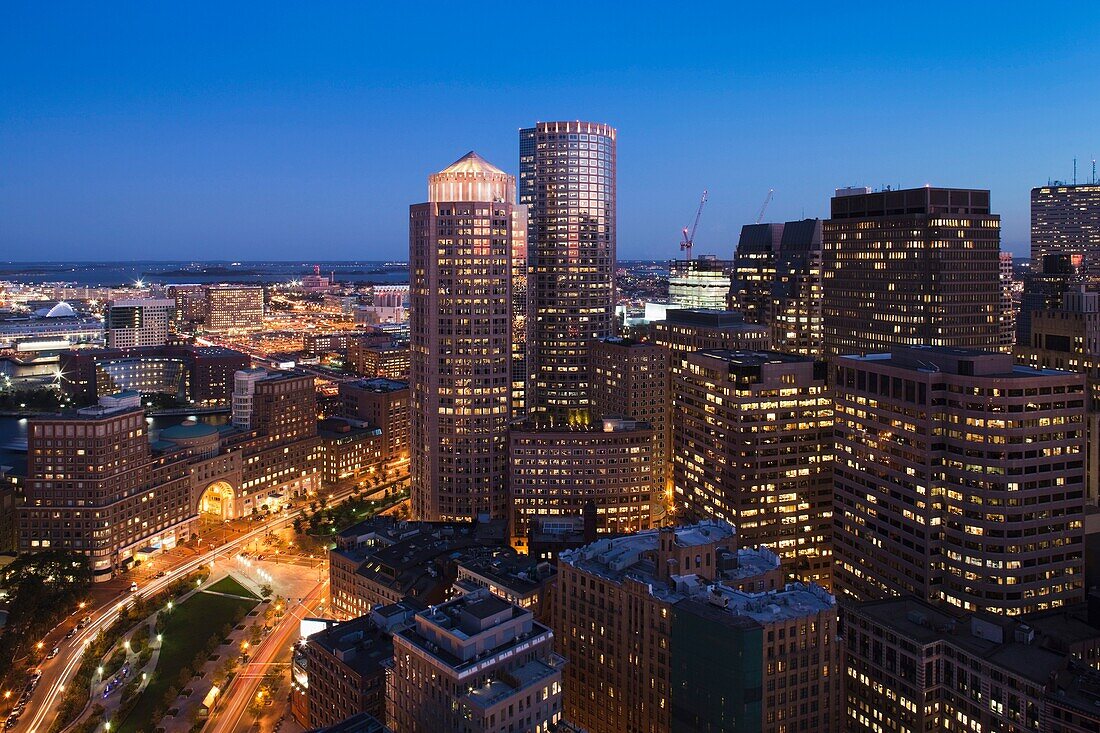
(461, 339)
(520, 306)
(190, 303)
(754, 270)
(794, 313)
(703, 282)
(1008, 307)
(681, 630)
(1065, 219)
(1068, 338)
(629, 378)
(959, 478)
(143, 322)
(909, 268)
(234, 308)
(1052, 276)
(567, 181)
(478, 664)
(752, 436)
(556, 469)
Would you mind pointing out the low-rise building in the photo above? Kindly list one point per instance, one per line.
(477, 664)
(350, 449)
(383, 403)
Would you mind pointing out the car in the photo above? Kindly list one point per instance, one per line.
(53, 653)
(259, 557)
(161, 574)
(71, 634)
(133, 586)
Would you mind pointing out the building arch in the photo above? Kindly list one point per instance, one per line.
(218, 501)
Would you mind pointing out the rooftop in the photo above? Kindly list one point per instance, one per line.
(957, 361)
(999, 640)
(755, 358)
(471, 162)
(379, 384)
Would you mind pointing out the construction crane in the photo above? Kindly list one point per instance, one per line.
(764, 206)
(689, 237)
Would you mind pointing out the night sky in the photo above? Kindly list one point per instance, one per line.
(295, 131)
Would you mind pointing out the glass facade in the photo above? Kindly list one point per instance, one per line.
(567, 180)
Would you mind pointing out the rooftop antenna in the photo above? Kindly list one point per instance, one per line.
(1075, 171)
(1093, 181)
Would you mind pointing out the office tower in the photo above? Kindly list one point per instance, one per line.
(908, 268)
(384, 403)
(132, 323)
(95, 488)
(959, 477)
(685, 330)
(386, 361)
(1065, 219)
(190, 303)
(703, 282)
(1068, 337)
(912, 666)
(1008, 308)
(752, 443)
(232, 308)
(754, 270)
(460, 328)
(794, 313)
(557, 469)
(680, 630)
(629, 378)
(520, 306)
(1044, 288)
(567, 181)
(476, 663)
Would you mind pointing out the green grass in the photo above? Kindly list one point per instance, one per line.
(233, 587)
(190, 626)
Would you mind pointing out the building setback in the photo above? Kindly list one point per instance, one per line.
(567, 181)
(679, 630)
(752, 436)
(909, 268)
(959, 478)
(460, 329)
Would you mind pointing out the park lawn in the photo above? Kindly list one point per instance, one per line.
(233, 587)
(190, 626)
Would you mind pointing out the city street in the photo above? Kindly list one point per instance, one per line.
(108, 598)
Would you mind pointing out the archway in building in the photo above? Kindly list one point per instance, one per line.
(216, 501)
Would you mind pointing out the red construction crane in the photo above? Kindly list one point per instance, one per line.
(689, 237)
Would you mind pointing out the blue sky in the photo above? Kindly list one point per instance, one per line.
(304, 130)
